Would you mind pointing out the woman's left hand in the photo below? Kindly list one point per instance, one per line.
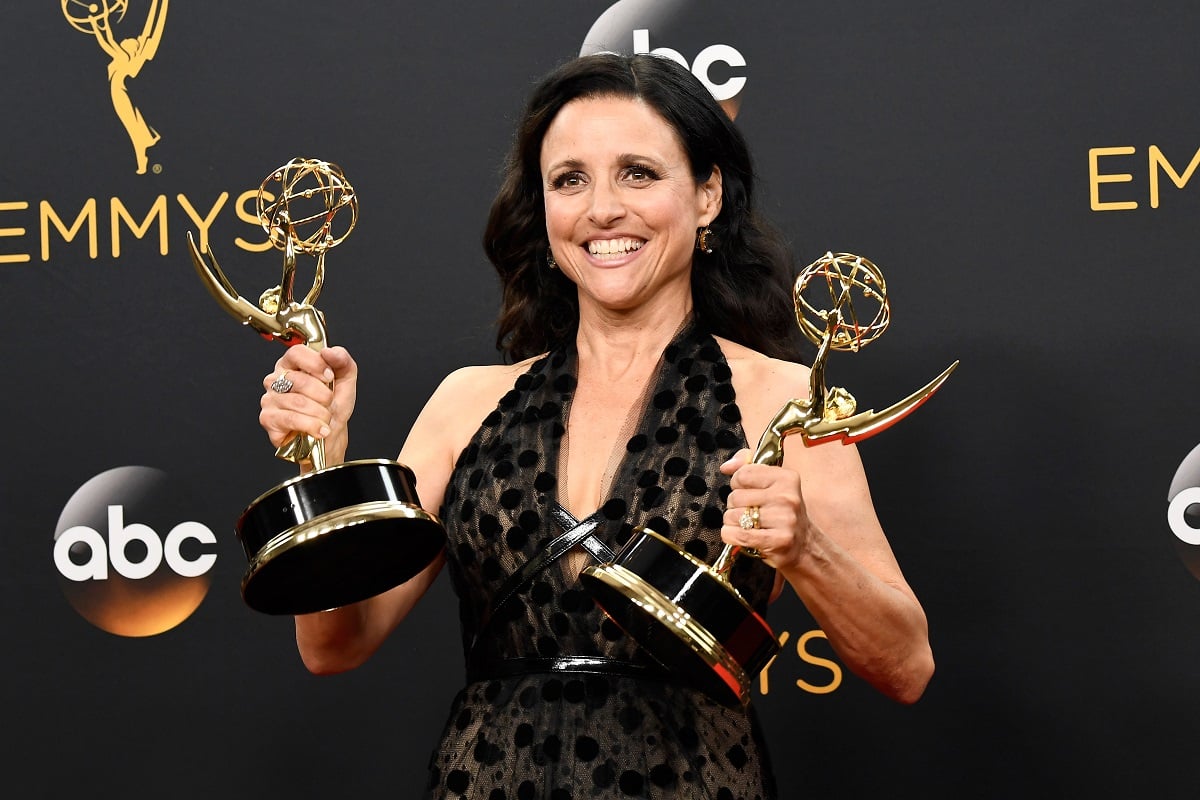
(782, 532)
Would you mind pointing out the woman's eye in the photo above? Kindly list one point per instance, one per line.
(568, 180)
(640, 174)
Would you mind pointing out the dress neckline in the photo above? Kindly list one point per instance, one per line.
(635, 420)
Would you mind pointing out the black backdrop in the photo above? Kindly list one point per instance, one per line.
(975, 154)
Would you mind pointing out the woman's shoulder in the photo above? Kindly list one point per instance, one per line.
(487, 373)
(461, 401)
(762, 384)
(753, 368)
(479, 386)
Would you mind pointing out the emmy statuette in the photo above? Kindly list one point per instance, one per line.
(336, 534)
(128, 56)
(686, 613)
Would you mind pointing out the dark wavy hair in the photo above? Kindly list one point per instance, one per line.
(741, 291)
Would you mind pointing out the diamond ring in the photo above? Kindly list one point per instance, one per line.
(281, 384)
(749, 518)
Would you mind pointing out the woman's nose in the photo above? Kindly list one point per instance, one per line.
(606, 205)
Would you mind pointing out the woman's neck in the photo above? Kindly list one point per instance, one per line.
(615, 348)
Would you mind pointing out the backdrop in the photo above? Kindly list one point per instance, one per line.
(1023, 175)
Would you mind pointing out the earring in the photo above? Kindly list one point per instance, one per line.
(550, 262)
(704, 240)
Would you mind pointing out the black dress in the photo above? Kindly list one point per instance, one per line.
(523, 733)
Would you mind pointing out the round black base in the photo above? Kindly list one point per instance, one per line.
(719, 678)
(687, 616)
(335, 537)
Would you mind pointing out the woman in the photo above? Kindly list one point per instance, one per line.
(647, 307)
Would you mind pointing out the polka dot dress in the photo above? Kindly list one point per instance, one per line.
(570, 736)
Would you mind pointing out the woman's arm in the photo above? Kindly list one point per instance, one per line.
(343, 638)
(819, 528)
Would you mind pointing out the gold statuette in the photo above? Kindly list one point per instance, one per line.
(686, 613)
(334, 535)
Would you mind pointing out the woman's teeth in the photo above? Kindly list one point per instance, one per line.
(608, 247)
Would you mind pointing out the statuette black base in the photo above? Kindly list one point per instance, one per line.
(334, 537)
(685, 614)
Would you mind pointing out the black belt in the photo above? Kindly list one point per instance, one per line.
(588, 665)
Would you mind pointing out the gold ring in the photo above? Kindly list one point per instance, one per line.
(749, 518)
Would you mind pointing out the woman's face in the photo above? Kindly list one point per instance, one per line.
(622, 207)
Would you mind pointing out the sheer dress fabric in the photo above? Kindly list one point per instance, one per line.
(540, 736)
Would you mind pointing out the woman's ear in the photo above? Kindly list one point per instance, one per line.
(712, 190)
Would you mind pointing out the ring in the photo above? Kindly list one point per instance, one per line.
(749, 518)
(281, 384)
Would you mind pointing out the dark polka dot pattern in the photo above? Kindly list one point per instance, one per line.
(575, 736)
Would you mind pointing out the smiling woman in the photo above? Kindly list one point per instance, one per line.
(622, 207)
(743, 286)
(648, 309)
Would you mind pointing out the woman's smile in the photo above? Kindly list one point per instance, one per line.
(614, 247)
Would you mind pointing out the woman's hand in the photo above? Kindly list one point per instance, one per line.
(324, 386)
(783, 529)
(838, 561)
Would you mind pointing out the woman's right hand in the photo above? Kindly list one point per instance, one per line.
(311, 406)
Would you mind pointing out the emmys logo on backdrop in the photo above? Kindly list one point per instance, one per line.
(128, 55)
(88, 224)
(1143, 173)
(685, 31)
(126, 560)
(51, 232)
(817, 671)
(1183, 511)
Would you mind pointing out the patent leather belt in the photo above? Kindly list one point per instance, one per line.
(588, 665)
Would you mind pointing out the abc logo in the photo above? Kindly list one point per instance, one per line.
(126, 561)
(627, 27)
(701, 66)
(1183, 510)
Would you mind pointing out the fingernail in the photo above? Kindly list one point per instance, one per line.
(324, 431)
(328, 374)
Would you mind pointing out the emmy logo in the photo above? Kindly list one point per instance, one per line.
(128, 55)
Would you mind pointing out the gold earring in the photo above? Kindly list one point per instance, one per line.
(550, 262)
(703, 243)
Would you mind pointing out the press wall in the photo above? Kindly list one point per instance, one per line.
(1022, 173)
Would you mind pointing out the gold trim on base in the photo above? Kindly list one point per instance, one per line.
(678, 621)
(347, 517)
